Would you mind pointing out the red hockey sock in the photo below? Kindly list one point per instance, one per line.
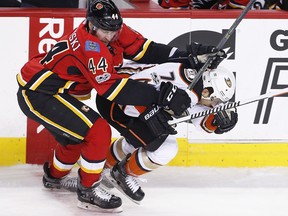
(94, 152)
(64, 159)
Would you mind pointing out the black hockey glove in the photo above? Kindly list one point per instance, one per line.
(283, 5)
(198, 55)
(270, 4)
(157, 121)
(225, 121)
(173, 98)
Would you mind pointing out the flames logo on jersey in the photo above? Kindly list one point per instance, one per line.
(85, 108)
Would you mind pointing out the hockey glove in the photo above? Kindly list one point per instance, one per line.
(173, 98)
(270, 4)
(198, 54)
(283, 5)
(157, 121)
(225, 120)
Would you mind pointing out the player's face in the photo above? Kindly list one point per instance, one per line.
(206, 102)
(206, 99)
(106, 36)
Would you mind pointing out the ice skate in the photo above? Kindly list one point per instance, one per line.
(106, 183)
(98, 199)
(125, 183)
(67, 183)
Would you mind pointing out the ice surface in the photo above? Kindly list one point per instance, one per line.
(170, 191)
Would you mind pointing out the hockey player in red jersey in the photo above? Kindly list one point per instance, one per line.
(52, 84)
(145, 145)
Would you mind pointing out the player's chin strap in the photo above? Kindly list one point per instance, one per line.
(230, 105)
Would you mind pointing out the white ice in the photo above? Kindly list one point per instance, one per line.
(170, 191)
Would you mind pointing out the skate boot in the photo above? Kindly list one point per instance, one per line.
(125, 183)
(66, 182)
(97, 199)
(106, 183)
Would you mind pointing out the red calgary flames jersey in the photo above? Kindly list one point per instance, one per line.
(79, 62)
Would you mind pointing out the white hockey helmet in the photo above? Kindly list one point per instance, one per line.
(221, 82)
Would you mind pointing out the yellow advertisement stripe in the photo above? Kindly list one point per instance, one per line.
(231, 154)
(12, 150)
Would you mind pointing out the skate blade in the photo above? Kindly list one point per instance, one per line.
(120, 189)
(58, 190)
(91, 207)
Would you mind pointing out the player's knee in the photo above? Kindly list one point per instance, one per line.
(99, 135)
(165, 153)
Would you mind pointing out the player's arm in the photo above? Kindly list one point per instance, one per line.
(142, 50)
(195, 55)
(131, 92)
(103, 77)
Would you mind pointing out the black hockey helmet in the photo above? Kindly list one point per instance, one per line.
(104, 14)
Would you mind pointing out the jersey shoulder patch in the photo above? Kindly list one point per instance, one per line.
(92, 46)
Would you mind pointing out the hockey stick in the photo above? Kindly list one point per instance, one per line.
(229, 105)
(221, 43)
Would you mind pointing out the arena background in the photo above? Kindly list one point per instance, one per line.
(257, 55)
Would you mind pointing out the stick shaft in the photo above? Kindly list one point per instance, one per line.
(221, 43)
(230, 105)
